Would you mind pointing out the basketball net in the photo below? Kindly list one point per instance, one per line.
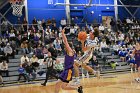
(17, 6)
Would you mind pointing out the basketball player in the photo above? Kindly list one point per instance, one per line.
(66, 75)
(136, 53)
(88, 48)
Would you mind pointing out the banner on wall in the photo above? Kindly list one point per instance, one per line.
(50, 2)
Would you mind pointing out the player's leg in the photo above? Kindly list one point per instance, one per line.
(76, 72)
(131, 66)
(58, 86)
(90, 70)
(138, 74)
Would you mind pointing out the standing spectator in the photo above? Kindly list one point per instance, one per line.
(4, 26)
(53, 21)
(4, 68)
(63, 22)
(25, 26)
(34, 22)
(21, 72)
(43, 24)
(19, 25)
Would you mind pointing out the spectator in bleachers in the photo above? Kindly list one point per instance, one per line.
(63, 22)
(25, 26)
(30, 71)
(7, 35)
(38, 52)
(43, 24)
(24, 47)
(34, 22)
(8, 51)
(52, 50)
(103, 46)
(101, 28)
(24, 59)
(39, 24)
(59, 66)
(4, 26)
(132, 62)
(4, 68)
(12, 35)
(78, 49)
(53, 21)
(49, 22)
(58, 47)
(45, 50)
(34, 61)
(22, 73)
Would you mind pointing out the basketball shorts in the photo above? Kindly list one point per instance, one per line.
(138, 63)
(66, 75)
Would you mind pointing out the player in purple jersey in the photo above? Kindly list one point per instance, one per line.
(136, 53)
(66, 75)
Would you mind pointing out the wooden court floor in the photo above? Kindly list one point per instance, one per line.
(121, 83)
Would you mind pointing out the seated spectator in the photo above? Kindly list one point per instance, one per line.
(101, 28)
(4, 68)
(132, 62)
(52, 50)
(58, 47)
(103, 46)
(24, 47)
(122, 54)
(45, 50)
(12, 35)
(24, 59)
(8, 51)
(59, 66)
(94, 62)
(7, 35)
(21, 72)
(38, 52)
(34, 61)
(30, 71)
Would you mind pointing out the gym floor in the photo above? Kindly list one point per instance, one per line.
(119, 83)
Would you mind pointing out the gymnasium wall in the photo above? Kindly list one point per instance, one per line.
(98, 11)
(42, 10)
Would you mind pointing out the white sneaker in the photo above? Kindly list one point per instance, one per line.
(138, 80)
(131, 70)
(87, 75)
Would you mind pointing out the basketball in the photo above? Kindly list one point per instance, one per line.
(82, 36)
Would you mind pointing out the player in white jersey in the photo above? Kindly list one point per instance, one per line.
(88, 48)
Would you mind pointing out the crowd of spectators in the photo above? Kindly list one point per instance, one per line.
(44, 36)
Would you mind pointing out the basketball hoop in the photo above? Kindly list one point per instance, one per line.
(17, 6)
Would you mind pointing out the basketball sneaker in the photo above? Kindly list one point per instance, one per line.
(138, 80)
(80, 89)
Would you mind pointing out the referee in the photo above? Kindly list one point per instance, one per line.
(50, 63)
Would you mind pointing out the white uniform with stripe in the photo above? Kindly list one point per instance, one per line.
(89, 52)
